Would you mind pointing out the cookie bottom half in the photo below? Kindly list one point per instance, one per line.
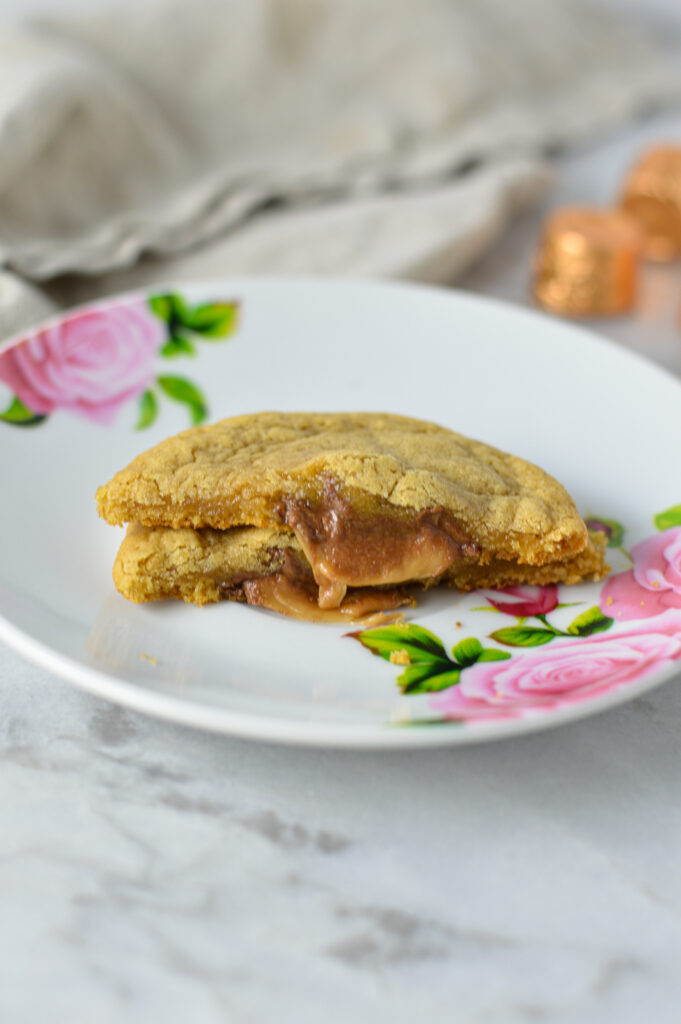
(268, 568)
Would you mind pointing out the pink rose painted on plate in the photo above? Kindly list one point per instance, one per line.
(537, 665)
(90, 363)
(562, 674)
(654, 583)
(94, 361)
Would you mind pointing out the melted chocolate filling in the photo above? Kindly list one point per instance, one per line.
(348, 549)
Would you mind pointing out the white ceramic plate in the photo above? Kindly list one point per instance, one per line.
(85, 393)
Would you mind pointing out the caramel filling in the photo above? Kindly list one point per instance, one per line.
(349, 549)
(353, 558)
(281, 594)
(292, 590)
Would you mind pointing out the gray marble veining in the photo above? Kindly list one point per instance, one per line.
(154, 873)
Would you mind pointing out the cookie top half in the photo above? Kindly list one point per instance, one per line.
(240, 470)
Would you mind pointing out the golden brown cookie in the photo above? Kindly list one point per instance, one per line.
(200, 566)
(329, 515)
(587, 565)
(204, 566)
(266, 469)
(260, 566)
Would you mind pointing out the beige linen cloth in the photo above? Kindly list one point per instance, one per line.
(180, 138)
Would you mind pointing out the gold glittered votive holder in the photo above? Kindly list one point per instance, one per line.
(652, 196)
(587, 262)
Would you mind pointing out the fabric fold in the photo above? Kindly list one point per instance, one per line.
(299, 134)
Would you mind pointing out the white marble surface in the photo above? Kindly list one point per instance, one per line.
(154, 874)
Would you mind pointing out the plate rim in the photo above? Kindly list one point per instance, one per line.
(293, 732)
(581, 326)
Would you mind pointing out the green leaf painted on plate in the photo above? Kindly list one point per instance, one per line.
(591, 621)
(411, 723)
(492, 654)
(523, 636)
(177, 345)
(214, 320)
(161, 306)
(148, 410)
(182, 390)
(419, 644)
(670, 517)
(428, 678)
(467, 651)
(170, 307)
(20, 416)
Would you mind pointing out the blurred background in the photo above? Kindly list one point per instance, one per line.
(160, 140)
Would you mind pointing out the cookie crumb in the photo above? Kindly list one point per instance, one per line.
(380, 619)
(400, 657)
(148, 657)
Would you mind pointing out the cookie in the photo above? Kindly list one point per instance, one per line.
(249, 564)
(245, 470)
(205, 566)
(199, 566)
(362, 501)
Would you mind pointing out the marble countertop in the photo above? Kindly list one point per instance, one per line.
(151, 873)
